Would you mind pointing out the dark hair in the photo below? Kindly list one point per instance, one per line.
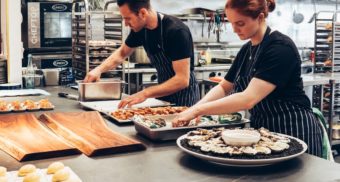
(135, 5)
(252, 8)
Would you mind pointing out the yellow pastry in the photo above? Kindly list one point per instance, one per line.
(3, 179)
(54, 167)
(3, 171)
(72, 180)
(28, 168)
(32, 177)
(61, 175)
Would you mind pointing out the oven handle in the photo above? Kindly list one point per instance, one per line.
(108, 3)
(87, 8)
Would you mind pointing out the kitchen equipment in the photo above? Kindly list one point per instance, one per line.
(105, 89)
(336, 131)
(31, 140)
(89, 133)
(297, 16)
(51, 76)
(69, 96)
(139, 56)
(48, 26)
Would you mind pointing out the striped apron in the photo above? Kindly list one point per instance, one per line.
(281, 116)
(163, 64)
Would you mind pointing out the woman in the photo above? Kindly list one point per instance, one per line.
(265, 79)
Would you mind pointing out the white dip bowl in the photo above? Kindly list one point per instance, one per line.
(240, 137)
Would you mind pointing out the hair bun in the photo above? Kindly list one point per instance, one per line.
(271, 5)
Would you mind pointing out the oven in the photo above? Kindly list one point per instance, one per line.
(52, 60)
(48, 26)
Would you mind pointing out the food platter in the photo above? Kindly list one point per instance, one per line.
(242, 162)
(27, 105)
(107, 107)
(172, 133)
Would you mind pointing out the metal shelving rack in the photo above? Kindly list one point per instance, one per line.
(95, 35)
(334, 100)
(322, 42)
(323, 56)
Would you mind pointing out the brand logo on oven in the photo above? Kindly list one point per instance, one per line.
(60, 63)
(34, 24)
(59, 7)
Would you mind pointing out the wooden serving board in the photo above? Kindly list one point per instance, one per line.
(25, 138)
(89, 133)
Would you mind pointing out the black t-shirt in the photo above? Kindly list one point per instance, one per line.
(177, 39)
(278, 63)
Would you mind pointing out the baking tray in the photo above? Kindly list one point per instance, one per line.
(170, 133)
(106, 107)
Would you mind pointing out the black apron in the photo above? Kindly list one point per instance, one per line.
(163, 64)
(279, 116)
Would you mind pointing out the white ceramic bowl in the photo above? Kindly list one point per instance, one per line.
(240, 137)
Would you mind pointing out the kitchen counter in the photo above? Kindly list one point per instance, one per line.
(164, 161)
(197, 69)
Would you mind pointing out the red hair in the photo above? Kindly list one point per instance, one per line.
(252, 8)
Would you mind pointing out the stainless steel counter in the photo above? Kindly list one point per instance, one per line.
(198, 68)
(167, 163)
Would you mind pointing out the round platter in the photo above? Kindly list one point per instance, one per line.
(242, 162)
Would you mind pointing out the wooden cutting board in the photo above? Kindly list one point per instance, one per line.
(26, 138)
(89, 133)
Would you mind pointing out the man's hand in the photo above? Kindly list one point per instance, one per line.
(92, 76)
(132, 100)
(184, 118)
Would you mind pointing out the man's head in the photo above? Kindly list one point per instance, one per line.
(134, 13)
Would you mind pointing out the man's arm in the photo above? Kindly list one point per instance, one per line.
(115, 59)
(178, 82)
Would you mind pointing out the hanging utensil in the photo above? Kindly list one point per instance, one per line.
(298, 17)
(314, 14)
(204, 19)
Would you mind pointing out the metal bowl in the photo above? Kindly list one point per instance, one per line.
(109, 89)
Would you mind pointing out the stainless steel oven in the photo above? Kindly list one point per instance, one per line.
(48, 25)
(52, 60)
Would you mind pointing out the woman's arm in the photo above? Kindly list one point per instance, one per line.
(256, 91)
(218, 92)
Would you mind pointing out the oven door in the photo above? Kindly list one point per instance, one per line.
(49, 25)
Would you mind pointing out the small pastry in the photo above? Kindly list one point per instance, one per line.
(72, 180)
(32, 177)
(54, 167)
(3, 171)
(45, 104)
(3, 179)
(61, 175)
(28, 168)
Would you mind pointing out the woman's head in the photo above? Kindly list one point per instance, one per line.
(247, 16)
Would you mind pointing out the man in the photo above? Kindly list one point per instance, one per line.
(168, 43)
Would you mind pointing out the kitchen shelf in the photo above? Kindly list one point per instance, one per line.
(90, 47)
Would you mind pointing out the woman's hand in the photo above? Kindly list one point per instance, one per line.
(132, 100)
(184, 118)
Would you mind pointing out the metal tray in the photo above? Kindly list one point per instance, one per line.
(170, 133)
(106, 107)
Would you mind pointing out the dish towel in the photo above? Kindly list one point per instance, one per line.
(326, 147)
